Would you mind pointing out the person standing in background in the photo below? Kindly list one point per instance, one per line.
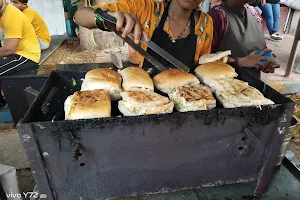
(238, 27)
(37, 22)
(271, 11)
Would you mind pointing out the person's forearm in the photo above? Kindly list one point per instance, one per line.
(86, 17)
(6, 52)
(230, 59)
(239, 61)
(100, 23)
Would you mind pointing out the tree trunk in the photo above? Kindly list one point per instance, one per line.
(85, 35)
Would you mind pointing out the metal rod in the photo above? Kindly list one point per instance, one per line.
(287, 20)
(294, 51)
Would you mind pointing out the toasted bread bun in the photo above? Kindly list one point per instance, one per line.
(215, 70)
(143, 102)
(104, 74)
(225, 59)
(88, 105)
(170, 79)
(192, 98)
(232, 86)
(106, 79)
(250, 96)
(136, 78)
(234, 93)
(222, 55)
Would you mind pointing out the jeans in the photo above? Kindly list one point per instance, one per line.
(272, 15)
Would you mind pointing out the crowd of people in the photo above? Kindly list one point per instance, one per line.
(23, 34)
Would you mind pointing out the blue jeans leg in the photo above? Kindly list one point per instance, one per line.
(276, 17)
(268, 13)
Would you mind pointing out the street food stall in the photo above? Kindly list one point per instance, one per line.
(122, 155)
(130, 154)
(153, 153)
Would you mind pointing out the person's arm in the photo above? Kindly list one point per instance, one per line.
(13, 31)
(254, 61)
(30, 14)
(127, 6)
(10, 47)
(219, 26)
(128, 11)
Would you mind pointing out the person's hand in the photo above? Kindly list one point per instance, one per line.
(254, 60)
(263, 2)
(85, 17)
(270, 67)
(131, 23)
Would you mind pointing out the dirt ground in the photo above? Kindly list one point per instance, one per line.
(69, 52)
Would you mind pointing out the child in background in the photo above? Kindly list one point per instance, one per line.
(37, 22)
(20, 53)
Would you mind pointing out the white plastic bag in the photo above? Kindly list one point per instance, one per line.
(9, 182)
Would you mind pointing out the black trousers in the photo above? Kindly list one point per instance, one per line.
(14, 65)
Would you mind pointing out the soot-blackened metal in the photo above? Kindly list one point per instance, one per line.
(125, 156)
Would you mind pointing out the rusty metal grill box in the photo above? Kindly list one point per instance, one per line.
(127, 156)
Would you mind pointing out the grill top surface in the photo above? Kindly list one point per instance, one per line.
(67, 82)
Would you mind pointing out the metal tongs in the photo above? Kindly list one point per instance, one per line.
(111, 21)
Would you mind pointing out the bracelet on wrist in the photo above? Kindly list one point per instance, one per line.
(100, 23)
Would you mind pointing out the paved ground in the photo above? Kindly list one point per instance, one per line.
(26, 182)
(56, 40)
(12, 153)
(11, 148)
(282, 50)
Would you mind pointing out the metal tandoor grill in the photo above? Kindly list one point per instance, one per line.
(127, 156)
